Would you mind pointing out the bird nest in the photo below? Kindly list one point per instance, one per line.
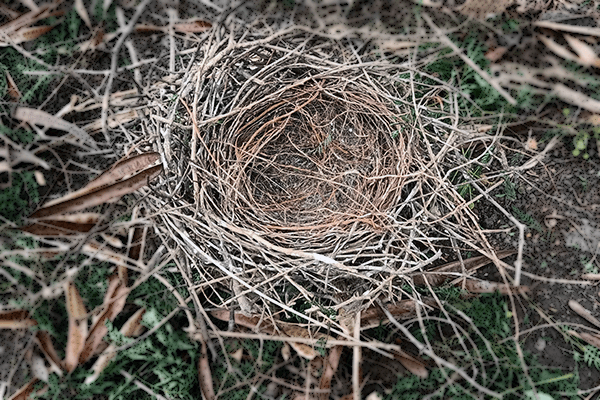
(295, 166)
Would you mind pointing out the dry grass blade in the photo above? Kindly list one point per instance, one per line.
(42, 118)
(576, 98)
(78, 327)
(16, 319)
(583, 312)
(82, 12)
(557, 49)
(101, 195)
(132, 328)
(482, 9)
(256, 323)
(437, 276)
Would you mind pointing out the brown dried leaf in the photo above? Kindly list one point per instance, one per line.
(42, 118)
(44, 342)
(587, 55)
(474, 286)
(131, 328)
(16, 319)
(204, 374)
(413, 364)
(77, 327)
(193, 26)
(483, 9)
(331, 366)
(101, 195)
(56, 228)
(583, 312)
(436, 276)
(82, 12)
(304, 350)
(496, 54)
(13, 89)
(122, 169)
(25, 391)
(373, 316)
(256, 323)
(112, 307)
(113, 121)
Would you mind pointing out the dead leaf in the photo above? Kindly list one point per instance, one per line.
(576, 98)
(304, 350)
(122, 169)
(77, 327)
(16, 319)
(56, 228)
(437, 277)
(558, 49)
(82, 12)
(587, 55)
(101, 195)
(474, 286)
(331, 365)
(44, 341)
(113, 121)
(496, 54)
(13, 89)
(373, 316)
(583, 312)
(256, 323)
(204, 373)
(113, 305)
(414, 365)
(591, 339)
(483, 9)
(42, 118)
(193, 26)
(25, 391)
(132, 328)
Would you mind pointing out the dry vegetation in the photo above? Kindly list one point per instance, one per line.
(282, 175)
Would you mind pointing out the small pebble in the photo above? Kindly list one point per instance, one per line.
(540, 345)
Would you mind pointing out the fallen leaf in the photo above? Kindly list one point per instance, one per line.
(587, 55)
(44, 341)
(13, 89)
(77, 326)
(583, 312)
(101, 195)
(195, 26)
(373, 316)
(331, 365)
(42, 118)
(82, 12)
(496, 54)
(558, 49)
(437, 276)
(255, 323)
(132, 328)
(204, 373)
(56, 228)
(121, 170)
(112, 307)
(414, 365)
(483, 9)
(16, 319)
(25, 391)
(474, 286)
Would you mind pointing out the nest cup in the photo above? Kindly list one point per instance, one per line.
(321, 158)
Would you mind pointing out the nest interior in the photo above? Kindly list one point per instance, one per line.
(304, 167)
